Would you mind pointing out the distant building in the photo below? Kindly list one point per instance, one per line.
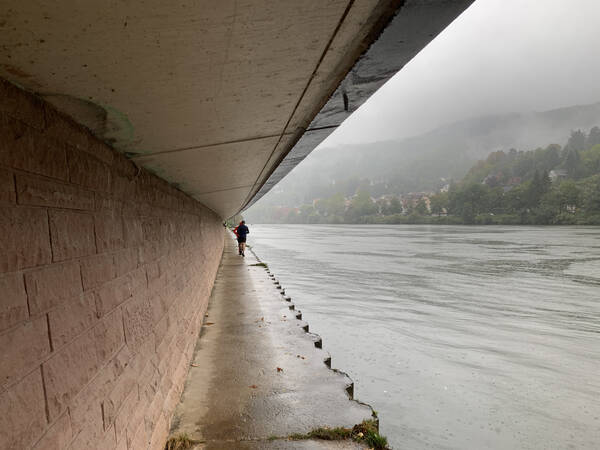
(557, 175)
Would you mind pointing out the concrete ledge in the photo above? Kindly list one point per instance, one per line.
(256, 372)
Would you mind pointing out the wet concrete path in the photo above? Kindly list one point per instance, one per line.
(256, 372)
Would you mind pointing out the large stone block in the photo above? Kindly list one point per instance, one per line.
(126, 412)
(24, 148)
(159, 433)
(37, 191)
(63, 129)
(101, 151)
(68, 371)
(72, 234)
(122, 186)
(8, 194)
(126, 261)
(22, 348)
(97, 270)
(107, 440)
(132, 231)
(13, 306)
(112, 294)
(135, 420)
(89, 435)
(138, 320)
(58, 436)
(22, 414)
(109, 232)
(108, 336)
(140, 436)
(88, 171)
(24, 238)
(71, 318)
(87, 405)
(138, 281)
(52, 285)
(107, 204)
(123, 387)
(20, 105)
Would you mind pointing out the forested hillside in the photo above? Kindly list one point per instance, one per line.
(550, 185)
(422, 163)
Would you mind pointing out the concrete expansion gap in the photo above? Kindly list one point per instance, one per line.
(203, 146)
(257, 373)
(311, 78)
(223, 190)
(326, 127)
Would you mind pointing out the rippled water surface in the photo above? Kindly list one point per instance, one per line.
(460, 337)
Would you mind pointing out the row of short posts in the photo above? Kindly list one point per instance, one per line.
(318, 341)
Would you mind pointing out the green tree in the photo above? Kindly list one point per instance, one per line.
(515, 200)
(361, 205)
(439, 202)
(421, 208)
(393, 207)
(467, 201)
(336, 204)
(573, 163)
(576, 141)
(593, 138)
(569, 194)
(591, 195)
(540, 184)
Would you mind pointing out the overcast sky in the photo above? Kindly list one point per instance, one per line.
(498, 56)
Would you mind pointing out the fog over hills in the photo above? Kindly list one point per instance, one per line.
(428, 161)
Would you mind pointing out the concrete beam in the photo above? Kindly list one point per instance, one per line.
(211, 97)
(415, 24)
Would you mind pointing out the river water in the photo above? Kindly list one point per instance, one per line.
(460, 337)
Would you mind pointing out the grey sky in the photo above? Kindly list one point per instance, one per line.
(498, 56)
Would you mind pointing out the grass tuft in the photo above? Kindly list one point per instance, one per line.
(330, 434)
(376, 441)
(367, 432)
(180, 442)
(260, 264)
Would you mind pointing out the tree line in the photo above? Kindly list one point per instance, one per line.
(551, 185)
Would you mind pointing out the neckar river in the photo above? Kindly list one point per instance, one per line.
(460, 337)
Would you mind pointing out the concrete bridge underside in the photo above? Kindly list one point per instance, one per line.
(221, 99)
(128, 131)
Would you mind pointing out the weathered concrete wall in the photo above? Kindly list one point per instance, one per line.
(105, 274)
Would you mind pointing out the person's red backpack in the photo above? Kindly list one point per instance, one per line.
(235, 230)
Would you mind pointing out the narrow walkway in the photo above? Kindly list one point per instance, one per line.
(257, 373)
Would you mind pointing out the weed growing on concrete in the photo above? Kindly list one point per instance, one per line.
(377, 441)
(324, 433)
(367, 432)
(180, 442)
(261, 264)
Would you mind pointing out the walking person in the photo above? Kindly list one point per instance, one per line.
(241, 231)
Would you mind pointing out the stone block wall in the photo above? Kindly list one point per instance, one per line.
(105, 275)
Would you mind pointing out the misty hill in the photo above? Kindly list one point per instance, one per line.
(421, 162)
